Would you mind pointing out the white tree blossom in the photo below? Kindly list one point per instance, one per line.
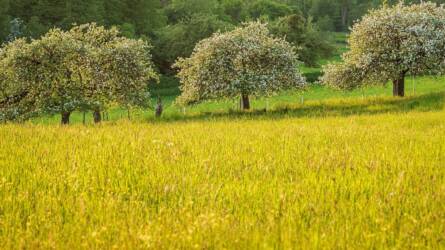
(389, 43)
(86, 67)
(246, 61)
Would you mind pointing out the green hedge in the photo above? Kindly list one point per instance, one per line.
(312, 76)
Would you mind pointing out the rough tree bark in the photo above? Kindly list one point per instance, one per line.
(245, 102)
(398, 86)
(65, 118)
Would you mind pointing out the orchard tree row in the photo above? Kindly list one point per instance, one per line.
(91, 68)
(389, 44)
(175, 26)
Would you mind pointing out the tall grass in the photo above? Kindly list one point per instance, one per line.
(367, 174)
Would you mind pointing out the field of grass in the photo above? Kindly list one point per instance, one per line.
(357, 173)
(314, 95)
(313, 169)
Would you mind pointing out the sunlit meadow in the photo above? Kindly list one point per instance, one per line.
(362, 173)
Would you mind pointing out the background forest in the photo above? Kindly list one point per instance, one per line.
(175, 26)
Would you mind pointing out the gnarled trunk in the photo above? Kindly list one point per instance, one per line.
(245, 102)
(97, 116)
(398, 86)
(65, 118)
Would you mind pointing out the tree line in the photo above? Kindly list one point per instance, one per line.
(175, 26)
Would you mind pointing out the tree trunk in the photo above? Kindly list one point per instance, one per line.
(159, 108)
(344, 16)
(97, 116)
(65, 118)
(398, 87)
(245, 102)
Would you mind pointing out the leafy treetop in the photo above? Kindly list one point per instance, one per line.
(246, 61)
(390, 43)
(88, 67)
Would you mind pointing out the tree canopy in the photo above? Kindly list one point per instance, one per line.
(245, 61)
(87, 67)
(390, 43)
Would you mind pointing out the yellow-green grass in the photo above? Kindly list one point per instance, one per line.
(313, 94)
(352, 174)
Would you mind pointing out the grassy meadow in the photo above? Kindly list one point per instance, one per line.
(313, 169)
(314, 95)
(333, 174)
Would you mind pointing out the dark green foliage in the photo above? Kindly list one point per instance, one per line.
(235, 10)
(312, 76)
(303, 34)
(178, 10)
(269, 9)
(174, 26)
(339, 15)
(4, 19)
(179, 40)
(40, 16)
